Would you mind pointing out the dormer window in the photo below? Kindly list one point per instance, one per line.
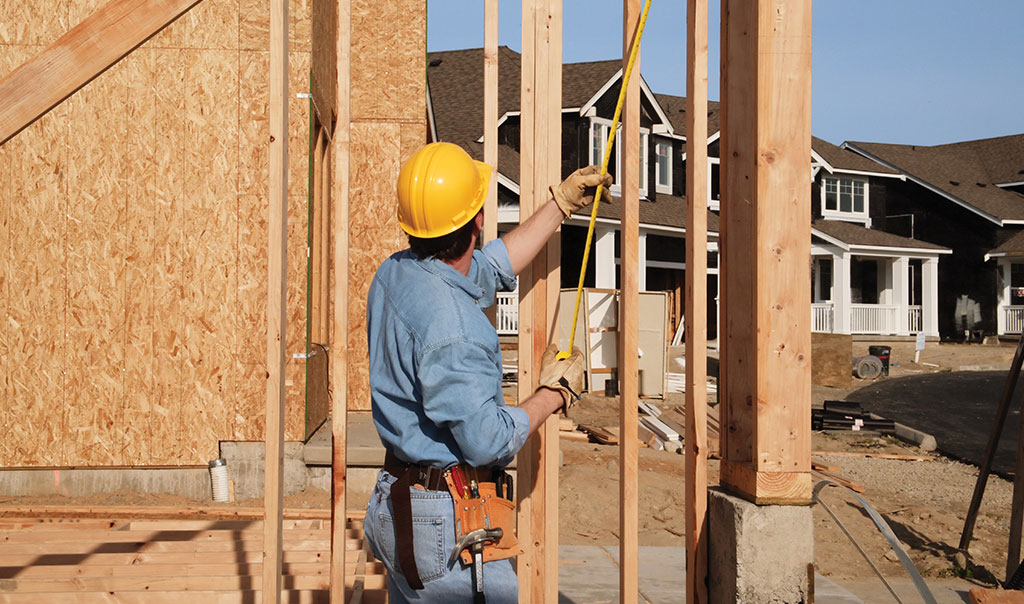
(844, 198)
(663, 167)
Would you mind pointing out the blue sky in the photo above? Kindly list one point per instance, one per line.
(896, 71)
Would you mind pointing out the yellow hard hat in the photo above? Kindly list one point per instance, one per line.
(440, 188)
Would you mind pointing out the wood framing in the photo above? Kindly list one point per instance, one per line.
(277, 300)
(766, 138)
(540, 146)
(80, 55)
(491, 117)
(696, 312)
(629, 318)
(340, 49)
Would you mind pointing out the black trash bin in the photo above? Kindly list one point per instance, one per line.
(882, 352)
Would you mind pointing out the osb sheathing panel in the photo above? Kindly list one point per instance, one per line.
(33, 22)
(254, 24)
(96, 269)
(389, 41)
(325, 71)
(34, 284)
(374, 233)
(133, 273)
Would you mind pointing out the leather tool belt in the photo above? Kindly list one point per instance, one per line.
(486, 511)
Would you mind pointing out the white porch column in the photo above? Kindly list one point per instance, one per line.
(642, 261)
(900, 271)
(604, 257)
(1003, 295)
(841, 292)
(930, 297)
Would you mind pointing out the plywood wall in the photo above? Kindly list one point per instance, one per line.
(388, 109)
(133, 244)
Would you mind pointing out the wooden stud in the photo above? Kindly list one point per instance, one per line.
(277, 296)
(766, 139)
(317, 207)
(695, 315)
(84, 52)
(491, 116)
(339, 203)
(629, 318)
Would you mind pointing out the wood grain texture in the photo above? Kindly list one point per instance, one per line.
(79, 56)
(388, 81)
(325, 65)
(491, 116)
(980, 595)
(765, 143)
(766, 488)
(340, 154)
(696, 312)
(629, 319)
(277, 301)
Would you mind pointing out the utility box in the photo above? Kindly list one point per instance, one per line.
(597, 336)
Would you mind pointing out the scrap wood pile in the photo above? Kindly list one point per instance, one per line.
(658, 429)
(121, 555)
(849, 416)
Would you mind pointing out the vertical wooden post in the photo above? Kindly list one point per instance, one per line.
(629, 317)
(339, 183)
(696, 313)
(766, 143)
(540, 154)
(491, 116)
(273, 495)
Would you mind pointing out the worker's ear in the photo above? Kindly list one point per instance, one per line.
(479, 220)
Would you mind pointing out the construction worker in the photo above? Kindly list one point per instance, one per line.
(435, 378)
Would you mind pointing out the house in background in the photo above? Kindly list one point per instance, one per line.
(866, 281)
(969, 197)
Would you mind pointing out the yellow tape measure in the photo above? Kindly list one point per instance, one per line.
(634, 47)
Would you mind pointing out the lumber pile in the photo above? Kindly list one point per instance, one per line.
(54, 559)
(849, 416)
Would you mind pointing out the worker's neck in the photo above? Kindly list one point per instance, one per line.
(463, 262)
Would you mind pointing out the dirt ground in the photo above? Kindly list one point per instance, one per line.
(923, 501)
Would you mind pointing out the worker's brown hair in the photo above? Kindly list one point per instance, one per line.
(445, 247)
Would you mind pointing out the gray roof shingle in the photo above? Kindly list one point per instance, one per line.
(855, 234)
(968, 171)
(844, 159)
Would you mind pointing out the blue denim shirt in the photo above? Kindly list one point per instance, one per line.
(435, 362)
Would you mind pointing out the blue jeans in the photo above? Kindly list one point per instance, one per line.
(433, 527)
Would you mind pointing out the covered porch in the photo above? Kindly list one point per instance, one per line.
(1010, 285)
(864, 289)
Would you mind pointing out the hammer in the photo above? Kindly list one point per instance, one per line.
(474, 540)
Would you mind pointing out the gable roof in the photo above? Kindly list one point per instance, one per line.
(966, 173)
(855, 235)
(844, 160)
(1014, 246)
(675, 110)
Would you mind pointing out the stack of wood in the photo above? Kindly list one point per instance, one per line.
(847, 415)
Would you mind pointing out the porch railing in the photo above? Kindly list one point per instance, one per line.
(822, 318)
(873, 318)
(1013, 319)
(914, 321)
(507, 315)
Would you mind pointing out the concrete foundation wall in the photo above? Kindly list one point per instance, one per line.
(758, 554)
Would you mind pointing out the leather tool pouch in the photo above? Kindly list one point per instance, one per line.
(486, 511)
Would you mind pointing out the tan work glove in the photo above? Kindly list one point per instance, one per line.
(577, 191)
(565, 376)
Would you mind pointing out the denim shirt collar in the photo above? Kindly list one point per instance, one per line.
(453, 277)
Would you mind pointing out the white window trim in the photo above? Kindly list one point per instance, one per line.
(645, 134)
(858, 217)
(660, 188)
(714, 205)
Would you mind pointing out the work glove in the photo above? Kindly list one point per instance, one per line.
(577, 191)
(565, 376)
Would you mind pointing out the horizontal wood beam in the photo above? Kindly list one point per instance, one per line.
(84, 52)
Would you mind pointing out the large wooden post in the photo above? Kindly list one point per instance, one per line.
(696, 313)
(629, 317)
(339, 181)
(273, 494)
(540, 145)
(766, 150)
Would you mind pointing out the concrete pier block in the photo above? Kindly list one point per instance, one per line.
(758, 554)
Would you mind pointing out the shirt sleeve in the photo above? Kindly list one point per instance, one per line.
(492, 270)
(458, 383)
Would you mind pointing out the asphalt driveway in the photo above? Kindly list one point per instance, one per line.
(957, 408)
